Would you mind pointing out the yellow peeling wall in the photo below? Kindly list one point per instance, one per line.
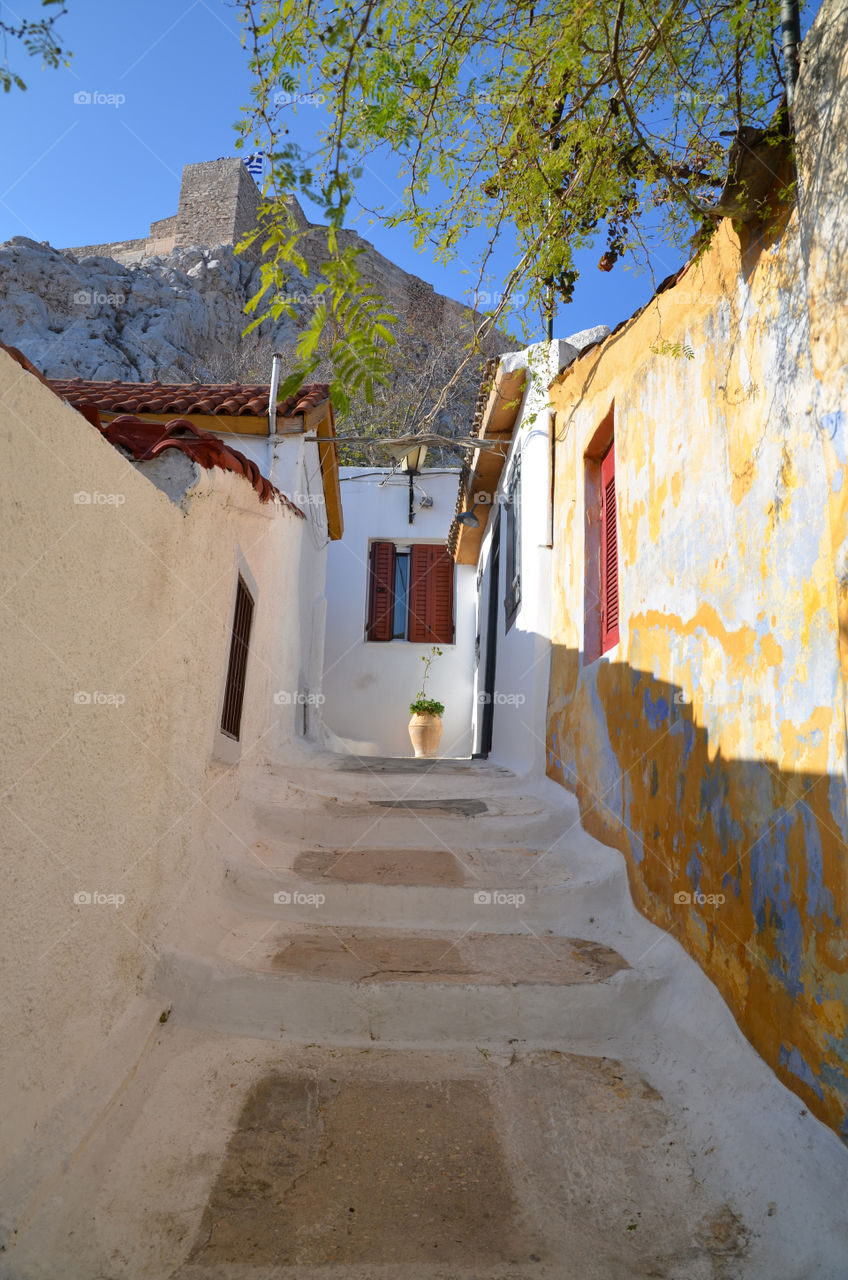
(710, 744)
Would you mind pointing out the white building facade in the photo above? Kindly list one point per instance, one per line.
(368, 682)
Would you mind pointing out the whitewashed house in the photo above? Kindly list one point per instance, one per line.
(503, 532)
(393, 593)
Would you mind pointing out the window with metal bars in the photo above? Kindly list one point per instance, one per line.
(237, 667)
(609, 553)
(410, 593)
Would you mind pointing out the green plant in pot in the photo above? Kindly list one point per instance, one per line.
(425, 725)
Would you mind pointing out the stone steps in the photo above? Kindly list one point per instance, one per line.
(494, 903)
(331, 986)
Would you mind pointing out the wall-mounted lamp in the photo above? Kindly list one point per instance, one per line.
(468, 518)
(412, 463)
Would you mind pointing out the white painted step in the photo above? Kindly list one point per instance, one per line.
(360, 987)
(485, 890)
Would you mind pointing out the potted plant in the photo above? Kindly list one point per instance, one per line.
(425, 725)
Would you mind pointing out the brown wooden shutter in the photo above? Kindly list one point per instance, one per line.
(381, 591)
(431, 571)
(609, 553)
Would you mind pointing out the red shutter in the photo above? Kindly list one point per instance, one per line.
(441, 596)
(609, 553)
(431, 570)
(381, 592)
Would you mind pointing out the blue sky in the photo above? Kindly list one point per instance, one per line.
(88, 172)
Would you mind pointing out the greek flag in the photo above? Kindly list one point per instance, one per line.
(255, 164)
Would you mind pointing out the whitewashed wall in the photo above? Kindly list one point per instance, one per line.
(368, 685)
(293, 465)
(523, 652)
(118, 615)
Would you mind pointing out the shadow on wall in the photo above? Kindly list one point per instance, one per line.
(743, 861)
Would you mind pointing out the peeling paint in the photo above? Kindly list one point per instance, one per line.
(710, 745)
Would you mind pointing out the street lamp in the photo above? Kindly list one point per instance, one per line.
(412, 463)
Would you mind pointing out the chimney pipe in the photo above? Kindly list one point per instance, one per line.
(272, 393)
(790, 23)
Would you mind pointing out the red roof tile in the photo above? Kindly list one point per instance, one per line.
(147, 440)
(20, 358)
(233, 399)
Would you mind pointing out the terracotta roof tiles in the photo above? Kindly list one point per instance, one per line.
(147, 440)
(230, 399)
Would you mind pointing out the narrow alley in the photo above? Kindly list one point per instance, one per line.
(415, 1028)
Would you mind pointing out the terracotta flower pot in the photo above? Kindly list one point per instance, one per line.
(426, 732)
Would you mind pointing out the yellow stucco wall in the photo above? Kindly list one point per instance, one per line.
(710, 744)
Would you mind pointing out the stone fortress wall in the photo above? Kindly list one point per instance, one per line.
(218, 204)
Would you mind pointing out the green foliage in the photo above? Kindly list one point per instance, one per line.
(38, 39)
(676, 349)
(541, 125)
(426, 707)
(422, 704)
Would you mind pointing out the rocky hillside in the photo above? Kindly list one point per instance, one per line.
(179, 317)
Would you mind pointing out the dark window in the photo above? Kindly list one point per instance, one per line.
(401, 613)
(609, 553)
(410, 594)
(512, 598)
(237, 668)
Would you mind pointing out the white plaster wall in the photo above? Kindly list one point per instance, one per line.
(368, 686)
(292, 463)
(523, 652)
(296, 471)
(129, 598)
